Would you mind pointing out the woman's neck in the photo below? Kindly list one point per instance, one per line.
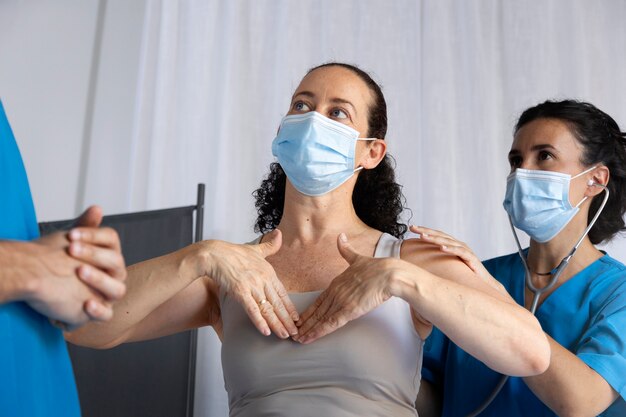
(544, 257)
(313, 219)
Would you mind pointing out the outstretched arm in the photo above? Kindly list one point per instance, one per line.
(180, 290)
(474, 314)
(569, 386)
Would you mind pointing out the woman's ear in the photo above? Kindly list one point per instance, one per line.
(601, 176)
(373, 153)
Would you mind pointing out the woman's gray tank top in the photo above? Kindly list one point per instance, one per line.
(369, 367)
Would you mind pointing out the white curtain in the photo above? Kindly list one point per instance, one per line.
(216, 77)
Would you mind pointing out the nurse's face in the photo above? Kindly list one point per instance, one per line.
(549, 145)
(338, 94)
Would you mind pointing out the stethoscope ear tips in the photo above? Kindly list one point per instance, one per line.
(590, 183)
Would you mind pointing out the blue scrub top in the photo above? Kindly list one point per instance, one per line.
(586, 315)
(36, 378)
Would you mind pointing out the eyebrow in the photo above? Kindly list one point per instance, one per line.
(540, 147)
(335, 100)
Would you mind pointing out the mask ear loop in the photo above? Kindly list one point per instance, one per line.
(590, 183)
(363, 139)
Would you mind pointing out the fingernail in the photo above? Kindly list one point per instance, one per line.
(92, 308)
(84, 272)
(343, 237)
(75, 234)
(295, 317)
(266, 332)
(76, 248)
(444, 247)
(425, 234)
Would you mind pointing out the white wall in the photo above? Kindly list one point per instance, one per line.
(47, 55)
(45, 61)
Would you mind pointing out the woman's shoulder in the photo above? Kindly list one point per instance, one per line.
(430, 257)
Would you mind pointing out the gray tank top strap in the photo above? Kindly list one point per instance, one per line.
(388, 246)
(370, 367)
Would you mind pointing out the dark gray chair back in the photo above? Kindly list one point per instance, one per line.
(154, 378)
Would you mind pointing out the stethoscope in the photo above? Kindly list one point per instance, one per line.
(538, 292)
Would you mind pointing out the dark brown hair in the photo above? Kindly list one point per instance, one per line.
(603, 143)
(377, 198)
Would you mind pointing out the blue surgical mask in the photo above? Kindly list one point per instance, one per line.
(316, 153)
(538, 202)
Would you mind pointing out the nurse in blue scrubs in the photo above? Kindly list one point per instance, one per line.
(39, 284)
(565, 158)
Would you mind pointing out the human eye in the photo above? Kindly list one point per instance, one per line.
(545, 156)
(301, 106)
(338, 114)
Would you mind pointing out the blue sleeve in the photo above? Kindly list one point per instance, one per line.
(603, 345)
(17, 213)
(435, 352)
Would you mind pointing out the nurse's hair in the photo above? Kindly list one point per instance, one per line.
(377, 197)
(603, 143)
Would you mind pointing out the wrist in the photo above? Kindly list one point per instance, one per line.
(19, 277)
(409, 283)
(200, 259)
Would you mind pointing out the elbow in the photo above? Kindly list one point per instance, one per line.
(536, 354)
(539, 360)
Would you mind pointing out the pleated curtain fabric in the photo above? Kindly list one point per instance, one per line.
(215, 78)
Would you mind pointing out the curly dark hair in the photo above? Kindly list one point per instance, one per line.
(377, 197)
(603, 143)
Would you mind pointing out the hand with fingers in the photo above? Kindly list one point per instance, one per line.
(244, 273)
(457, 248)
(362, 287)
(80, 272)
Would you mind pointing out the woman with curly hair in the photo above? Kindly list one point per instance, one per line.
(347, 341)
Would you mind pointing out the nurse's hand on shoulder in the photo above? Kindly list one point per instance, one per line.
(362, 287)
(460, 249)
(77, 275)
(243, 272)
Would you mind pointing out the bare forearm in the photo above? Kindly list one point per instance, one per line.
(16, 272)
(503, 335)
(569, 386)
(149, 285)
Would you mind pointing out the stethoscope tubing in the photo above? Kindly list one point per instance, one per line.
(538, 292)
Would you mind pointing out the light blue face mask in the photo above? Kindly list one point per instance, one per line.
(316, 153)
(538, 202)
